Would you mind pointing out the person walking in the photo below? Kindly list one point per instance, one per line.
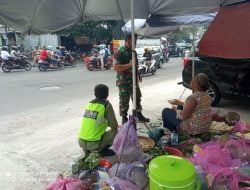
(124, 81)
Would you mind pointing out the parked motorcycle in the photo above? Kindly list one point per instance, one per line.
(45, 65)
(69, 60)
(145, 67)
(94, 63)
(19, 63)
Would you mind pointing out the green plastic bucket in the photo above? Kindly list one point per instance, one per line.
(172, 173)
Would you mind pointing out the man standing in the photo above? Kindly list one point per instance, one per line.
(124, 81)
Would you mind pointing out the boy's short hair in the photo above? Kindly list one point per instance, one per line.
(101, 91)
(129, 36)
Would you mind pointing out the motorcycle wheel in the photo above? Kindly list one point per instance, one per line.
(6, 68)
(41, 68)
(160, 64)
(153, 71)
(27, 66)
(73, 64)
(91, 67)
(108, 66)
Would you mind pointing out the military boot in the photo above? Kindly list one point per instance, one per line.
(141, 118)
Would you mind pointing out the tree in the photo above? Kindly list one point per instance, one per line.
(95, 30)
(183, 35)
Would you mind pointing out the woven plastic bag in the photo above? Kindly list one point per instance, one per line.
(238, 149)
(68, 184)
(135, 172)
(126, 143)
(119, 184)
(213, 158)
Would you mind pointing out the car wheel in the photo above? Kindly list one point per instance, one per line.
(214, 93)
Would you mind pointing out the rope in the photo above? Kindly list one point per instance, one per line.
(120, 13)
(182, 93)
(119, 10)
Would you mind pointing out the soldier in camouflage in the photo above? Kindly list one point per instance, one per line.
(124, 81)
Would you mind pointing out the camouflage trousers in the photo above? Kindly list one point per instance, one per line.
(125, 93)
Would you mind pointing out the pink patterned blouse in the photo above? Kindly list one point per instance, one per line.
(201, 118)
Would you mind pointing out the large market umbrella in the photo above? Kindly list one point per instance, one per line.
(159, 25)
(45, 16)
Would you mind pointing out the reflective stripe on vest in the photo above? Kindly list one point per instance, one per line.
(94, 123)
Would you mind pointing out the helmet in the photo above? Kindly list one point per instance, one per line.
(102, 46)
(146, 49)
(62, 47)
(5, 48)
(14, 48)
(49, 47)
(36, 47)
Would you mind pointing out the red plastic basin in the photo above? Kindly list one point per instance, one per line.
(174, 151)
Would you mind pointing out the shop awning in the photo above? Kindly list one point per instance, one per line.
(229, 34)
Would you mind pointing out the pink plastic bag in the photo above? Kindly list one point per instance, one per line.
(226, 178)
(127, 148)
(242, 126)
(213, 158)
(209, 143)
(120, 184)
(68, 184)
(238, 149)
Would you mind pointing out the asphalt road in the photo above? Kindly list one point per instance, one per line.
(20, 91)
(41, 112)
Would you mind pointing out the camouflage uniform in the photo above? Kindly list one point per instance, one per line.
(124, 81)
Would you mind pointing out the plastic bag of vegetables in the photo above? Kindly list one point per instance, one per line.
(126, 143)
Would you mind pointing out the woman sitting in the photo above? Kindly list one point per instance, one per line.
(195, 115)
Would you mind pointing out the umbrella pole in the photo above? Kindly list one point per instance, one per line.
(193, 63)
(133, 56)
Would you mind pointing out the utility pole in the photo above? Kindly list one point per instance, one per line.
(6, 32)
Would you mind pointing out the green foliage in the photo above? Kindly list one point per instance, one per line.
(95, 30)
(183, 35)
(179, 36)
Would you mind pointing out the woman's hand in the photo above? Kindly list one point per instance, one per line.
(174, 108)
(178, 102)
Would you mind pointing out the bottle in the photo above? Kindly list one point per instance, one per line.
(174, 139)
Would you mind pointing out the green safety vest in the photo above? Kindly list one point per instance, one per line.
(94, 123)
